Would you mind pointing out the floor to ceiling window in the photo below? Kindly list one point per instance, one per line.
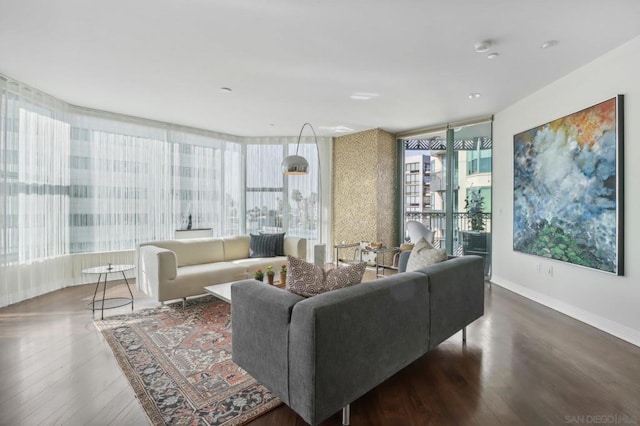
(265, 188)
(75, 181)
(277, 203)
(447, 186)
(40, 187)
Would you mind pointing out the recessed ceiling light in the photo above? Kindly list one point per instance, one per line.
(337, 129)
(226, 89)
(548, 44)
(364, 96)
(493, 55)
(474, 95)
(482, 46)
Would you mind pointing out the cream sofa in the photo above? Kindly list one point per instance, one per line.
(177, 269)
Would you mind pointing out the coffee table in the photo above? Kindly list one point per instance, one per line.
(223, 291)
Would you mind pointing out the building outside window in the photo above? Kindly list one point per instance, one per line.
(417, 183)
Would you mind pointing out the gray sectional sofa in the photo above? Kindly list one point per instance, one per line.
(322, 353)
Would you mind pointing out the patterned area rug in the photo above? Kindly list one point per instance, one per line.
(179, 364)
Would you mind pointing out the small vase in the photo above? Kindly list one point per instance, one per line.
(270, 278)
(283, 278)
(261, 279)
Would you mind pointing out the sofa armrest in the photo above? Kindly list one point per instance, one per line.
(402, 261)
(296, 247)
(456, 295)
(155, 265)
(260, 333)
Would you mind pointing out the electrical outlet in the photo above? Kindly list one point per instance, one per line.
(550, 271)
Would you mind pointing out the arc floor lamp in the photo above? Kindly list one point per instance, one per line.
(298, 165)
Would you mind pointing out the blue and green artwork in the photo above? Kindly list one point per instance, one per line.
(567, 182)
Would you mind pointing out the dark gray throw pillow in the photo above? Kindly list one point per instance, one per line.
(262, 245)
(279, 250)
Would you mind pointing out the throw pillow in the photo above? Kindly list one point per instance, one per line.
(406, 247)
(279, 238)
(262, 245)
(307, 279)
(423, 255)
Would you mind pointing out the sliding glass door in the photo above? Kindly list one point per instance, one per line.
(425, 176)
(447, 187)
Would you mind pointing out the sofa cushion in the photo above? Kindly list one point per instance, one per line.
(236, 247)
(423, 255)
(279, 242)
(406, 247)
(263, 245)
(307, 279)
(194, 251)
(192, 279)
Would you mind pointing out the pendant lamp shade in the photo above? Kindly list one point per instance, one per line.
(295, 165)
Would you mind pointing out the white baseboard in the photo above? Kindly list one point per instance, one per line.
(618, 330)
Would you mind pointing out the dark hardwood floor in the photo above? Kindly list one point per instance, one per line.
(523, 364)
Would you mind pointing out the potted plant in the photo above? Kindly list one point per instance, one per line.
(474, 206)
(283, 274)
(476, 240)
(270, 274)
(259, 275)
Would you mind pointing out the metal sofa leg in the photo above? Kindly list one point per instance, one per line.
(346, 414)
(184, 303)
(464, 335)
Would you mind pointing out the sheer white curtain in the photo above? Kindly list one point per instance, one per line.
(121, 176)
(34, 191)
(264, 186)
(81, 188)
(233, 190)
(206, 179)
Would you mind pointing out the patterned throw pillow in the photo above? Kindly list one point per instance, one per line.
(423, 255)
(262, 245)
(307, 279)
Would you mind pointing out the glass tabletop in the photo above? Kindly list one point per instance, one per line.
(381, 249)
(106, 269)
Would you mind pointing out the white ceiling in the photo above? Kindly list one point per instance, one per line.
(293, 61)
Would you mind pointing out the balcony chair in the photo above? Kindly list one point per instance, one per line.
(418, 230)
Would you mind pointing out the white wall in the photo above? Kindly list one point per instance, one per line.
(608, 302)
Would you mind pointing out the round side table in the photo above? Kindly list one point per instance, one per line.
(114, 302)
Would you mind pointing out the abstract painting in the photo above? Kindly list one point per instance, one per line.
(567, 180)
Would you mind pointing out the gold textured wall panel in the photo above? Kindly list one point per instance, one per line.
(387, 191)
(365, 188)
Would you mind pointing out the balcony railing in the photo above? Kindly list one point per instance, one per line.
(436, 221)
